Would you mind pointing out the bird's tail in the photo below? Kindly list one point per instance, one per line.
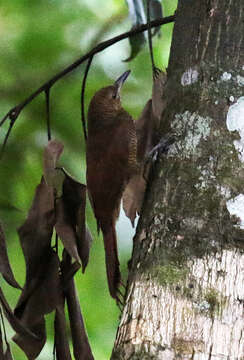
(112, 260)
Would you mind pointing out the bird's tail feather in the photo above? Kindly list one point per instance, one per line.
(112, 260)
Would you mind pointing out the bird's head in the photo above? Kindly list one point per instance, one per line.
(106, 101)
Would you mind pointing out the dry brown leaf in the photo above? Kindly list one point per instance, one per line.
(35, 237)
(85, 250)
(134, 192)
(65, 230)
(158, 103)
(81, 347)
(8, 354)
(54, 177)
(32, 347)
(69, 272)
(42, 288)
(52, 153)
(13, 320)
(74, 197)
(46, 296)
(61, 339)
(5, 267)
(147, 137)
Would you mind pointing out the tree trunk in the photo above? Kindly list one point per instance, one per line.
(185, 291)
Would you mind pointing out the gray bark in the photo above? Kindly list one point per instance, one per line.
(185, 291)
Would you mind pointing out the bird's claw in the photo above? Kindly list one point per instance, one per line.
(161, 148)
(156, 72)
(120, 298)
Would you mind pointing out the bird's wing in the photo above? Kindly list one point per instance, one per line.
(127, 131)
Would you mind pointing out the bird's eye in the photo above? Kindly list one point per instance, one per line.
(114, 96)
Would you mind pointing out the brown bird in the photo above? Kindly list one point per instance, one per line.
(111, 161)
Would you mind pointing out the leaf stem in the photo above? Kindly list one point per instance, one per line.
(149, 29)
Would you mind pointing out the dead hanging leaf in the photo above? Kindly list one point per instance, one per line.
(147, 137)
(158, 102)
(14, 321)
(138, 17)
(41, 290)
(32, 347)
(61, 340)
(156, 12)
(47, 294)
(35, 237)
(137, 43)
(54, 177)
(8, 354)
(65, 230)
(74, 200)
(134, 192)
(145, 129)
(52, 153)
(5, 268)
(85, 249)
(81, 347)
(45, 297)
(69, 271)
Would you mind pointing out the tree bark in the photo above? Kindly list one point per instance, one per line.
(185, 291)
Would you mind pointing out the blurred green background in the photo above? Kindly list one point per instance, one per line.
(38, 39)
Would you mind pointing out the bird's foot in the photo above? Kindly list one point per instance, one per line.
(120, 298)
(156, 72)
(161, 148)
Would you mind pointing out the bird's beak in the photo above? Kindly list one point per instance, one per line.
(120, 81)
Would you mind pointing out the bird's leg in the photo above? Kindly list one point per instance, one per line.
(120, 299)
(156, 72)
(161, 148)
(120, 305)
(120, 293)
(123, 285)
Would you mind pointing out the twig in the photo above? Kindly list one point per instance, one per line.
(15, 111)
(150, 35)
(6, 138)
(47, 93)
(83, 119)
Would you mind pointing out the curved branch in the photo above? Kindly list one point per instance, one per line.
(15, 111)
(11, 124)
(83, 118)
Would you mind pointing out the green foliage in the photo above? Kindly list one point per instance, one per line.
(38, 39)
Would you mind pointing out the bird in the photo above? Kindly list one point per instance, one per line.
(111, 158)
